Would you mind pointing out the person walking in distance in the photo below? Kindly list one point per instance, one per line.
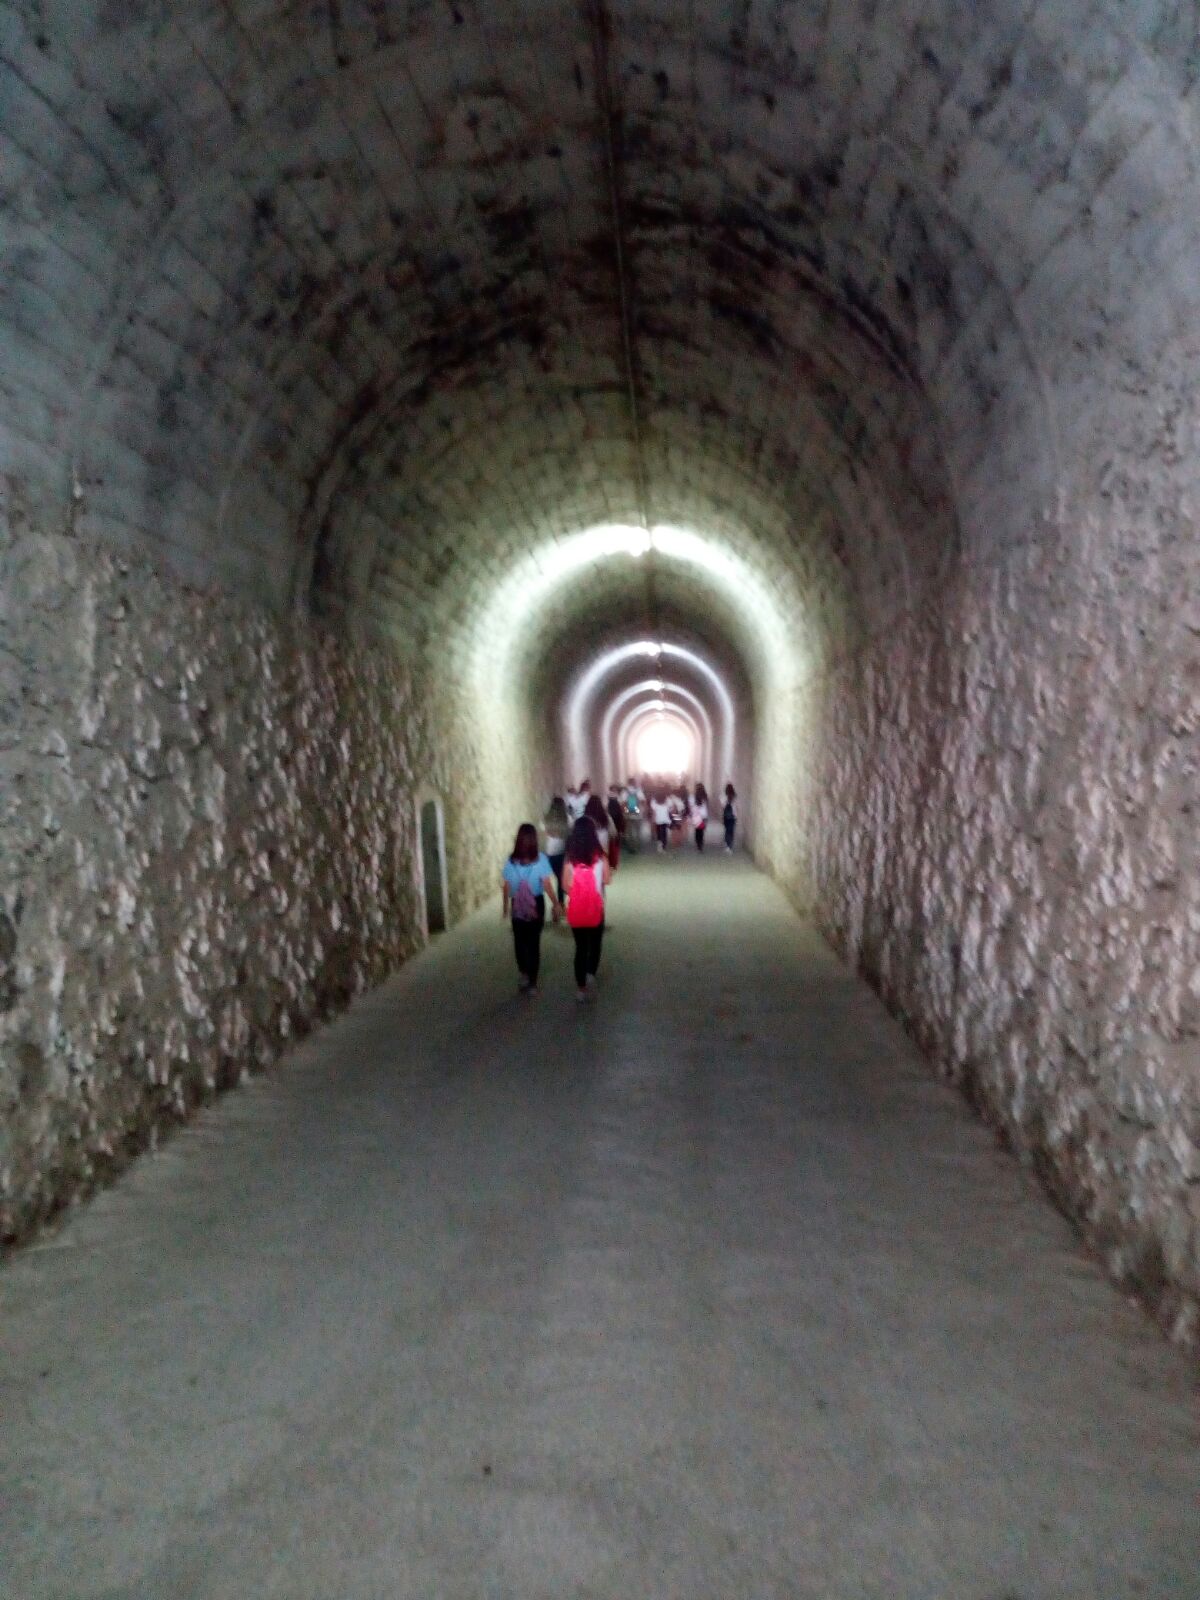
(577, 800)
(676, 811)
(633, 816)
(586, 875)
(700, 814)
(556, 825)
(616, 825)
(526, 882)
(729, 816)
(660, 813)
(602, 823)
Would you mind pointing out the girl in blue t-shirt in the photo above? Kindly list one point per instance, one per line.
(526, 879)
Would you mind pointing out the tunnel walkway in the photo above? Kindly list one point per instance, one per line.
(708, 1289)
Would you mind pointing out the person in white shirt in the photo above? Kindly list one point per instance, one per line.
(556, 825)
(677, 802)
(660, 812)
(577, 800)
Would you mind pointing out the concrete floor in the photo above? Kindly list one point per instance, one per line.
(708, 1290)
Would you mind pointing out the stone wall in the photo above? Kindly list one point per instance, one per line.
(207, 831)
(1004, 841)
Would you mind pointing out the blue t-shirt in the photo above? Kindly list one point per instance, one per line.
(533, 873)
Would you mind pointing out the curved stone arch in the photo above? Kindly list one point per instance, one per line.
(371, 585)
(352, 442)
(211, 160)
(351, 445)
(578, 696)
(641, 718)
(531, 586)
(705, 750)
(632, 724)
(207, 183)
(659, 690)
(341, 504)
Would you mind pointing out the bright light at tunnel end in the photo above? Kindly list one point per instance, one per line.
(664, 747)
(713, 753)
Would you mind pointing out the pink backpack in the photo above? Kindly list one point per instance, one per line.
(585, 904)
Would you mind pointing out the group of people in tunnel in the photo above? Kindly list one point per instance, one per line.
(569, 864)
(674, 808)
(663, 808)
(576, 880)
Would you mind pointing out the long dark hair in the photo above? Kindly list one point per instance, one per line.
(595, 809)
(701, 795)
(730, 792)
(557, 820)
(525, 845)
(583, 846)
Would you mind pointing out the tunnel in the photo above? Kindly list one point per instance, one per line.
(408, 405)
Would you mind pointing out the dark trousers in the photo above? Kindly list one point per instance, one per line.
(587, 952)
(662, 834)
(700, 837)
(556, 866)
(730, 830)
(527, 941)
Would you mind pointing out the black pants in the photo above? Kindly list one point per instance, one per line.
(556, 866)
(700, 836)
(587, 952)
(662, 835)
(730, 829)
(527, 941)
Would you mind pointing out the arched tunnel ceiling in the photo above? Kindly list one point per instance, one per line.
(363, 301)
(683, 730)
(699, 672)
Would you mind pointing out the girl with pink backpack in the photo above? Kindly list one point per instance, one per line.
(586, 875)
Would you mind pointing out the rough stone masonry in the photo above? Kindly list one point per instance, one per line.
(207, 826)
